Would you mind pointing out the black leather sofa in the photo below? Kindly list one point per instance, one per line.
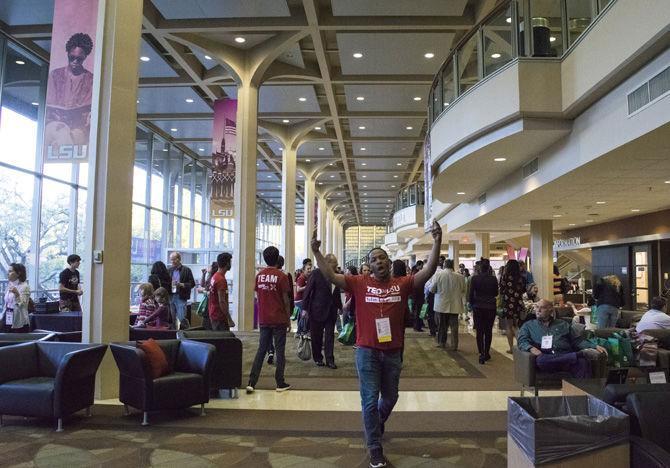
(51, 380)
(187, 384)
(9, 339)
(227, 363)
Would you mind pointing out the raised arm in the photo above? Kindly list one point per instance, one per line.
(429, 268)
(335, 278)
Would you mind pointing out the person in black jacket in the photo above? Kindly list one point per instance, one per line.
(182, 284)
(322, 301)
(482, 299)
(608, 293)
(159, 276)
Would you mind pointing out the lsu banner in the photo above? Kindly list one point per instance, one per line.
(70, 85)
(224, 154)
(427, 186)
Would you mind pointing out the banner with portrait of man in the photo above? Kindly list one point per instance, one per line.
(70, 84)
(224, 154)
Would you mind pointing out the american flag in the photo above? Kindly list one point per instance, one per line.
(230, 128)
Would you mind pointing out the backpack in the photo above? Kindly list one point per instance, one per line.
(304, 347)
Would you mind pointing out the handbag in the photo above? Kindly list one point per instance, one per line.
(304, 347)
(202, 309)
(348, 334)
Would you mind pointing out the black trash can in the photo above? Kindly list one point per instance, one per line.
(548, 429)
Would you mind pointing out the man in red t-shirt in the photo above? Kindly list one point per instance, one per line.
(217, 305)
(273, 293)
(380, 303)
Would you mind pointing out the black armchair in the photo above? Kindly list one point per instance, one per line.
(187, 384)
(50, 380)
(227, 363)
(649, 414)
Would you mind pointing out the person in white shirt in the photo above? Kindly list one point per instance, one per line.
(655, 317)
(449, 289)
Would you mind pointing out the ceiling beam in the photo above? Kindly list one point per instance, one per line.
(290, 115)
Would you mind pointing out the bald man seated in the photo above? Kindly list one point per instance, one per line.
(556, 347)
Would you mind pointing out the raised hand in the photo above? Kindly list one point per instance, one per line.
(315, 243)
(436, 231)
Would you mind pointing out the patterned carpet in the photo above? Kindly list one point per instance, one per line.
(425, 367)
(25, 446)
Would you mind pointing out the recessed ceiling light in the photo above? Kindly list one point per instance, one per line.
(363, 149)
(321, 148)
(393, 186)
(398, 164)
(429, 55)
(308, 160)
(286, 120)
(409, 128)
(143, 58)
(332, 176)
(364, 164)
(500, 159)
(460, 193)
(509, 20)
(600, 203)
(358, 55)
(495, 56)
(37, 103)
(258, 164)
(262, 193)
(589, 220)
(365, 186)
(388, 200)
(634, 210)
(667, 181)
(446, 104)
(201, 149)
(331, 164)
(320, 183)
(557, 216)
(552, 39)
(302, 99)
(417, 98)
(173, 129)
(240, 40)
(361, 127)
(207, 57)
(189, 100)
(317, 128)
(165, 149)
(571, 224)
(395, 176)
(281, 149)
(269, 177)
(360, 98)
(365, 193)
(365, 177)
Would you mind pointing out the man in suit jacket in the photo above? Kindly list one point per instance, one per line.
(322, 300)
(449, 288)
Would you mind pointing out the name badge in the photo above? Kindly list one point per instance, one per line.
(547, 342)
(383, 329)
(9, 317)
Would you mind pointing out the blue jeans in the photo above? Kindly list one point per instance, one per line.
(264, 344)
(606, 316)
(179, 306)
(378, 377)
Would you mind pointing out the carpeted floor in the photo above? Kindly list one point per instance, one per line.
(425, 367)
(230, 438)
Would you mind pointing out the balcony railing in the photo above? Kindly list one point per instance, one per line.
(501, 37)
(411, 195)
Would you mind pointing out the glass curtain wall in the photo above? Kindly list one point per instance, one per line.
(359, 240)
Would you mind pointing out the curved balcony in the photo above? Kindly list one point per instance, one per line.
(510, 91)
(407, 219)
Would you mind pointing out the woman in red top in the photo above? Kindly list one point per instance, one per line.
(381, 302)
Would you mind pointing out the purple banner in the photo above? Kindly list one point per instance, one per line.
(70, 85)
(224, 155)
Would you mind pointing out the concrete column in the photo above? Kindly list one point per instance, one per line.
(244, 241)
(310, 193)
(329, 232)
(322, 234)
(482, 245)
(541, 256)
(453, 252)
(109, 202)
(339, 250)
(288, 189)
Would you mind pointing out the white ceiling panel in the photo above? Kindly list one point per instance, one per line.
(362, 185)
(169, 100)
(286, 99)
(178, 9)
(251, 40)
(18, 12)
(363, 164)
(197, 147)
(156, 66)
(399, 8)
(384, 149)
(311, 148)
(386, 97)
(393, 53)
(367, 176)
(385, 127)
(186, 128)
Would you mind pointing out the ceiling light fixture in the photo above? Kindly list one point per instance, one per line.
(460, 193)
(143, 58)
(409, 128)
(417, 98)
(557, 216)
(37, 103)
(269, 177)
(240, 40)
(281, 149)
(332, 176)
(634, 210)
(429, 55)
(302, 99)
(395, 176)
(393, 186)
(360, 98)
(364, 164)
(317, 128)
(398, 164)
(321, 148)
(189, 100)
(361, 127)
(207, 57)
(571, 224)
(365, 177)
(552, 39)
(600, 203)
(509, 20)
(500, 159)
(173, 129)
(308, 160)
(358, 55)
(363, 149)
(495, 56)
(365, 186)
(286, 120)
(667, 181)
(165, 149)
(201, 149)
(589, 220)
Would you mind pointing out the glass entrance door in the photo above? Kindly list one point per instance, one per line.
(640, 290)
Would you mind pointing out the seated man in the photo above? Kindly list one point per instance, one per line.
(552, 341)
(655, 317)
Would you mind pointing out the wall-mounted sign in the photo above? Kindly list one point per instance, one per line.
(570, 242)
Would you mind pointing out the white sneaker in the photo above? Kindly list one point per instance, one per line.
(250, 389)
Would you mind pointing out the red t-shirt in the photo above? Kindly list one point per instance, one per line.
(375, 299)
(301, 282)
(217, 283)
(271, 287)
